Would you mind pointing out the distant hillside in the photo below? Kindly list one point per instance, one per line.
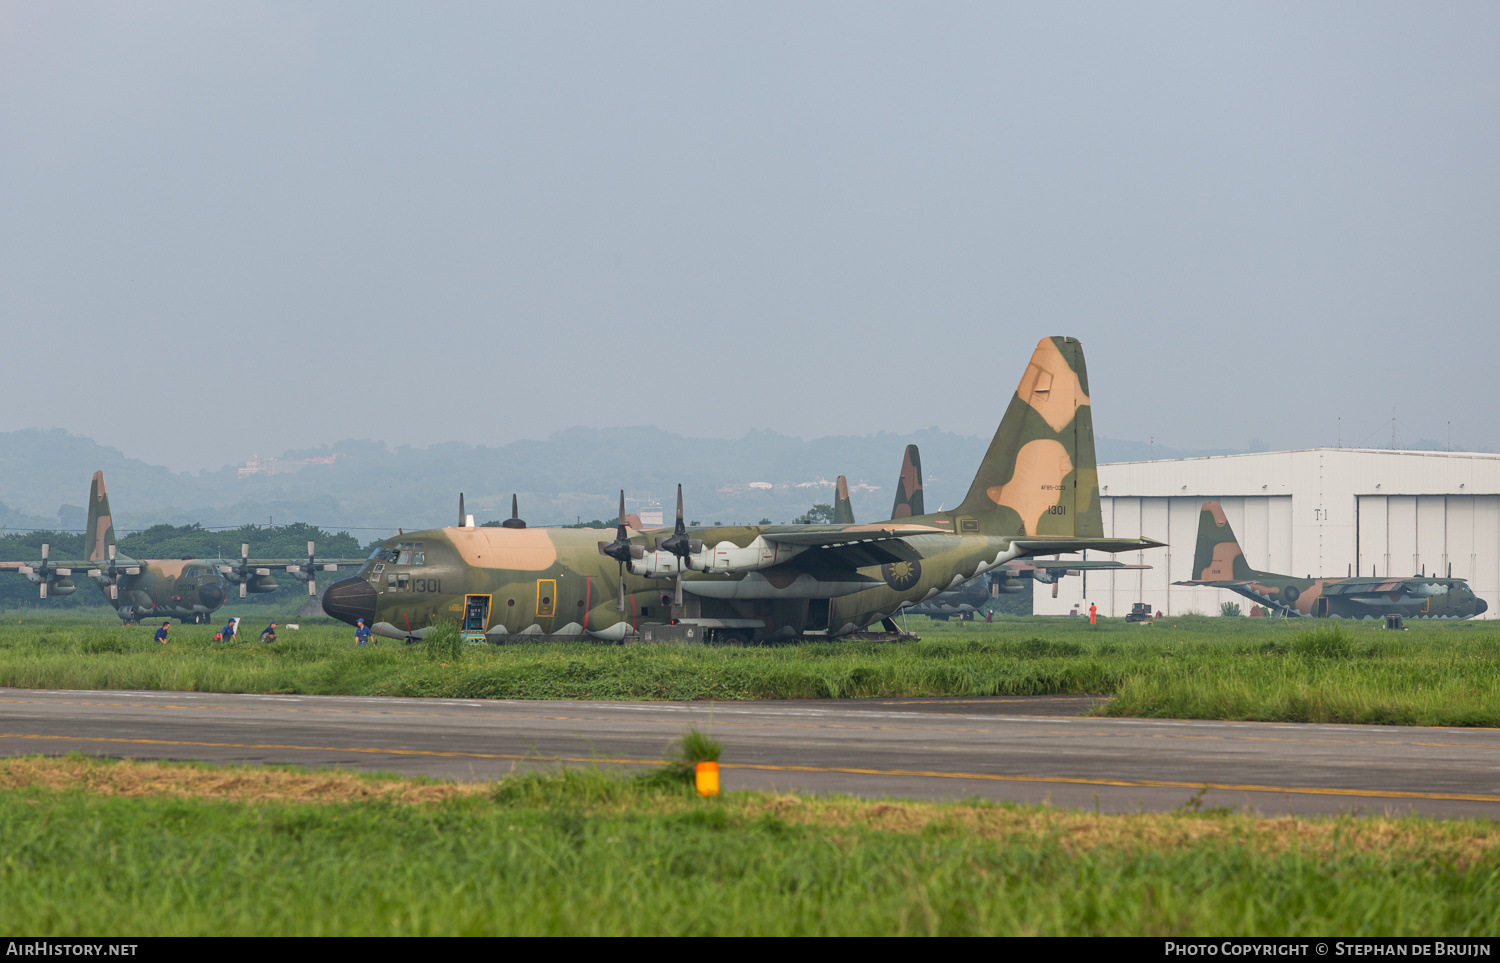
(574, 474)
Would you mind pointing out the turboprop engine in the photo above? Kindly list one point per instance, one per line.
(724, 558)
(48, 577)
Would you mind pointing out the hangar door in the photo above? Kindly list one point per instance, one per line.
(1401, 535)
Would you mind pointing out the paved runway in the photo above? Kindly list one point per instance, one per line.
(1024, 749)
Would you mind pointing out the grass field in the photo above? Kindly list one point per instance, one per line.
(1191, 667)
(90, 847)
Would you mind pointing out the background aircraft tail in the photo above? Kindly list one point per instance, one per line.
(1218, 557)
(100, 533)
(1040, 476)
(843, 510)
(909, 486)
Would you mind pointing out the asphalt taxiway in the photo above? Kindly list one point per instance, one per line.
(1028, 749)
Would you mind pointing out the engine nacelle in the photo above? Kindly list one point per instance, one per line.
(262, 584)
(657, 565)
(63, 586)
(728, 557)
(1011, 586)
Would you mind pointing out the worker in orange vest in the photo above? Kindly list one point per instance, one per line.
(1093, 614)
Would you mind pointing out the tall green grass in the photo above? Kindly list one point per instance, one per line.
(1187, 667)
(584, 852)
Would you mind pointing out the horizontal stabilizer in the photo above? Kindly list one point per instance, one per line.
(1090, 565)
(1033, 546)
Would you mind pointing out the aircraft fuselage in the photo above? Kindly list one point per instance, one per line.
(554, 582)
(187, 589)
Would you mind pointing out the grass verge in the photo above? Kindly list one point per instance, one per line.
(1190, 667)
(88, 846)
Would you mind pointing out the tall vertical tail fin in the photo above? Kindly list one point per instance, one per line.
(1218, 557)
(843, 509)
(909, 486)
(1039, 476)
(100, 533)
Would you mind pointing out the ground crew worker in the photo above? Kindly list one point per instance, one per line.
(161, 633)
(1093, 614)
(361, 632)
(269, 635)
(227, 634)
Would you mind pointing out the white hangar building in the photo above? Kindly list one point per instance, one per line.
(1319, 512)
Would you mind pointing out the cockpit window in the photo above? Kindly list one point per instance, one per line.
(406, 553)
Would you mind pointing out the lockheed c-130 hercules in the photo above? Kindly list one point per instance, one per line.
(189, 589)
(1035, 493)
(1218, 562)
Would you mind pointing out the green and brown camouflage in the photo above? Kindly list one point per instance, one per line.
(909, 486)
(843, 509)
(1036, 492)
(965, 600)
(1218, 562)
(188, 589)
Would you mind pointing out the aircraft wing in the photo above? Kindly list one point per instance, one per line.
(68, 567)
(1220, 583)
(1063, 546)
(285, 562)
(854, 546)
(1366, 586)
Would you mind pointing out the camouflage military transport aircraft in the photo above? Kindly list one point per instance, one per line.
(1036, 493)
(1219, 563)
(189, 589)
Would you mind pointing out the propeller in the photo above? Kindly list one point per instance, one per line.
(44, 573)
(621, 550)
(309, 572)
(112, 572)
(461, 510)
(680, 545)
(45, 570)
(241, 573)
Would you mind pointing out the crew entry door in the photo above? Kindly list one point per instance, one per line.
(476, 617)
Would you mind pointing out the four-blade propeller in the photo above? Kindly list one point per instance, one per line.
(110, 574)
(308, 573)
(680, 545)
(44, 573)
(242, 573)
(621, 550)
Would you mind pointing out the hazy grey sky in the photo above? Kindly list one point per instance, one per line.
(245, 226)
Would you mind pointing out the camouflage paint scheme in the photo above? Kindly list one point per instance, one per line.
(971, 596)
(188, 589)
(1036, 492)
(843, 509)
(1218, 562)
(909, 486)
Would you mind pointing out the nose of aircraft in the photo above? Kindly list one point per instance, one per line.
(1480, 606)
(351, 599)
(211, 595)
